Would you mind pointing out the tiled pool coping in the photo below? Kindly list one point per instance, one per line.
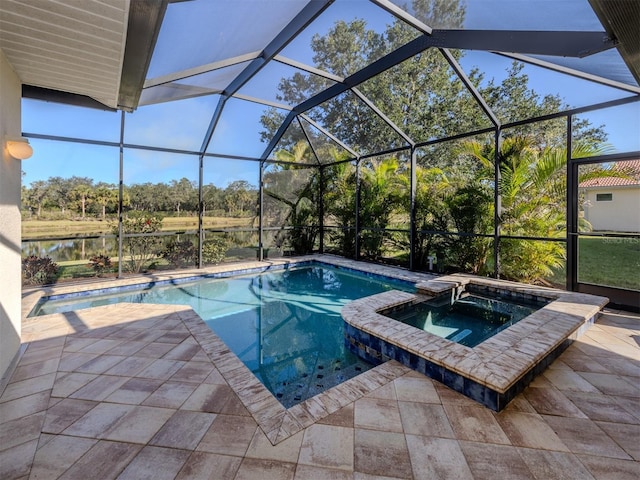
(277, 422)
(494, 371)
(32, 296)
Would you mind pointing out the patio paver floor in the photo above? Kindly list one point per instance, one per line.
(127, 391)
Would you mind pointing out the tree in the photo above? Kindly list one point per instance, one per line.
(514, 100)
(37, 195)
(82, 194)
(411, 94)
(426, 99)
(432, 185)
(58, 194)
(422, 95)
(211, 197)
(181, 192)
(240, 198)
(380, 195)
(470, 210)
(105, 195)
(340, 204)
(292, 196)
(533, 192)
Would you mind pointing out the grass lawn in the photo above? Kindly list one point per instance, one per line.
(60, 228)
(613, 262)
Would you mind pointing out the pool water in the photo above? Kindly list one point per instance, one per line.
(469, 320)
(284, 325)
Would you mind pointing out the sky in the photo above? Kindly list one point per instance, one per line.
(183, 124)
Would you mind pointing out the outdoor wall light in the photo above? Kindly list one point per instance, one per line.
(19, 148)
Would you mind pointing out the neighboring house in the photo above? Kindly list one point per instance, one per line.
(613, 203)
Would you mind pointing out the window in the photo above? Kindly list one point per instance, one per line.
(604, 197)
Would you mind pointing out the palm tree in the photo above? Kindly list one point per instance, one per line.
(298, 191)
(340, 206)
(105, 195)
(533, 195)
(82, 193)
(432, 185)
(380, 195)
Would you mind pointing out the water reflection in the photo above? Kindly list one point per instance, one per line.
(70, 250)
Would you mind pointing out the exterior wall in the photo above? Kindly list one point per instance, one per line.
(621, 214)
(10, 179)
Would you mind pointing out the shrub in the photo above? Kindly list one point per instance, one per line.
(214, 251)
(100, 264)
(469, 210)
(530, 261)
(185, 253)
(141, 249)
(180, 254)
(38, 270)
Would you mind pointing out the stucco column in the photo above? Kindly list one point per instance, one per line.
(10, 178)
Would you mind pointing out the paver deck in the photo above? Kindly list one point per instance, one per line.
(132, 391)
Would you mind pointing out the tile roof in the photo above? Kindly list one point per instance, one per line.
(629, 167)
(609, 182)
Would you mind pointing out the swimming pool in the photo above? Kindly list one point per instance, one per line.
(285, 325)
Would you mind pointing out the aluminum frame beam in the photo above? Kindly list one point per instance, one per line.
(278, 135)
(417, 24)
(467, 39)
(384, 118)
(307, 68)
(121, 193)
(261, 101)
(470, 86)
(401, 14)
(307, 15)
(145, 20)
(213, 124)
(306, 136)
(324, 131)
(571, 212)
(192, 72)
(540, 42)
(571, 71)
(392, 59)
(574, 111)
(358, 93)
(554, 43)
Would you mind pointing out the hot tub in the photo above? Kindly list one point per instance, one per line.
(468, 317)
(493, 371)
